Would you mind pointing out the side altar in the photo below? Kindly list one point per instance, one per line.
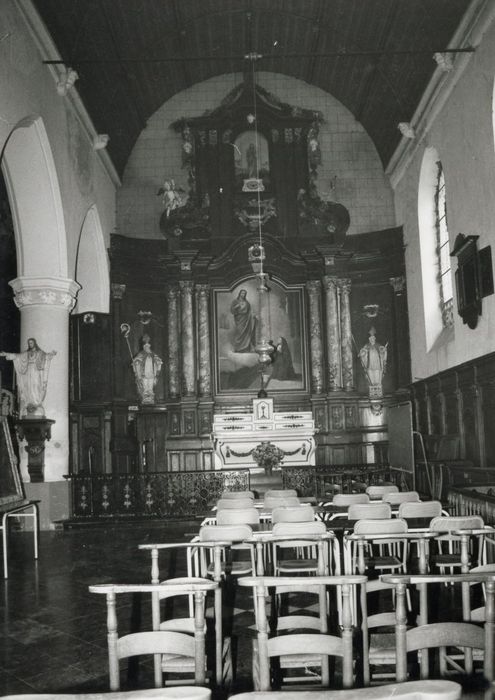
(236, 435)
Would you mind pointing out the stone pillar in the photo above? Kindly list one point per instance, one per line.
(45, 304)
(346, 335)
(204, 376)
(334, 366)
(315, 335)
(173, 342)
(120, 353)
(187, 338)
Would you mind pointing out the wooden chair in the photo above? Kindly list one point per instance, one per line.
(463, 635)
(223, 663)
(271, 502)
(378, 545)
(301, 650)
(238, 494)
(421, 509)
(236, 535)
(238, 516)
(449, 543)
(184, 650)
(369, 511)
(379, 491)
(396, 499)
(290, 536)
(293, 514)
(378, 632)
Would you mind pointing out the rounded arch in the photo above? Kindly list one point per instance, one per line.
(428, 245)
(35, 199)
(91, 270)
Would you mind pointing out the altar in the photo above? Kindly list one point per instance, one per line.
(236, 435)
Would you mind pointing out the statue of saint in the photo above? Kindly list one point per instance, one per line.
(373, 358)
(147, 366)
(31, 369)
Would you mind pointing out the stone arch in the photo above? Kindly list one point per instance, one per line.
(91, 268)
(35, 199)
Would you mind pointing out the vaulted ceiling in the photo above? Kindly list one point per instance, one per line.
(375, 56)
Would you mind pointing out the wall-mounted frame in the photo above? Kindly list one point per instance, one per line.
(468, 279)
(236, 364)
(10, 482)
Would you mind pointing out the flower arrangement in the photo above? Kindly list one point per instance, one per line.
(267, 456)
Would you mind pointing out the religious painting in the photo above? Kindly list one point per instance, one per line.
(10, 482)
(252, 166)
(237, 315)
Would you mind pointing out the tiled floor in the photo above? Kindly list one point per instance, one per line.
(53, 631)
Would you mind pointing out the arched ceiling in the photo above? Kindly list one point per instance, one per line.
(375, 56)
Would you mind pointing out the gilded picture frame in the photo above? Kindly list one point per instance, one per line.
(11, 490)
(236, 314)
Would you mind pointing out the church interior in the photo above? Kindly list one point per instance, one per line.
(246, 255)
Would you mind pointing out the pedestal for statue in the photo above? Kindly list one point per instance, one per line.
(36, 431)
(235, 435)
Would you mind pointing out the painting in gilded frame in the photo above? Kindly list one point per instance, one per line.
(237, 329)
(11, 491)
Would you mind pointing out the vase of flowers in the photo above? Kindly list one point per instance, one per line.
(268, 456)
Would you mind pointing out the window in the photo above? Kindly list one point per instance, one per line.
(443, 251)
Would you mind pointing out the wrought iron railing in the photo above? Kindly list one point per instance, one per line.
(321, 481)
(152, 494)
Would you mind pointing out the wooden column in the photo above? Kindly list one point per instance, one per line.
(187, 338)
(334, 367)
(346, 335)
(315, 335)
(204, 363)
(173, 342)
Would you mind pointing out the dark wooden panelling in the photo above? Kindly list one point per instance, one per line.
(91, 357)
(461, 401)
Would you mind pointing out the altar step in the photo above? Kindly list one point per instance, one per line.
(260, 482)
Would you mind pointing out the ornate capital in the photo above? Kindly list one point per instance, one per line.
(186, 287)
(203, 291)
(45, 291)
(345, 286)
(118, 290)
(398, 284)
(330, 283)
(172, 292)
(313, 286)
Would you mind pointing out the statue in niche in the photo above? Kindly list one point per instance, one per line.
(373, 357)
(147, 367)
(31, 369)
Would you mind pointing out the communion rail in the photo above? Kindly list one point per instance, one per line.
(190, 494)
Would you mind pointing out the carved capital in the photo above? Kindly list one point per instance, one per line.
(172, 293)
(117, 290)
(186, 287)
(398, 284)
(330, 283)
(345, 286)
(203, 291)
(313, 286)
(45, 291)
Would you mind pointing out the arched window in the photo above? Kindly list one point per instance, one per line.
(435, 248)
(443, 251)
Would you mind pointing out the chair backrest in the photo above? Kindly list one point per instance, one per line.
(281, 493)
(347, 499)
(293, 514)
(380, 527)
(379, 491)
(449, 523)
(238, 516)
(238, 494)
(272, 502)
(397, 498)
(226, 503)
(423, 509)
(226, 533)
(360, 511)
(157, 641)
(315, 527)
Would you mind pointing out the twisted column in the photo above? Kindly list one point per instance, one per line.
(315, 335)
(173, 342)
(334, 366)
(187, 337)
(346, 335)
(204, 365)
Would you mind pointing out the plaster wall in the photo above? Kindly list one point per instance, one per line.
(462, 133)
(347, 153)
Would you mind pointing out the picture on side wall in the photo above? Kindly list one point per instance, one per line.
(237, 329)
